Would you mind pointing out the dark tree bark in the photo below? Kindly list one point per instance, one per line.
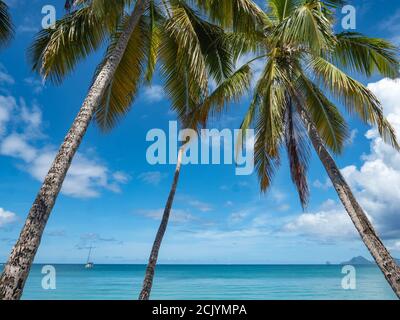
(19, 263)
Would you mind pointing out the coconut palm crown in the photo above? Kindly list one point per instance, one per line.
(308, 67)
(306, 74)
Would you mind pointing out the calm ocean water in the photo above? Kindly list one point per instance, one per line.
(209, 282)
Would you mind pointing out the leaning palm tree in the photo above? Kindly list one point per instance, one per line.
(133, 45)
(190, 50)
(55, 53)
(6, 26)
(292, 105)
(184, 28)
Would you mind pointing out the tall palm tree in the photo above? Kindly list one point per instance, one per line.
(6, 26)
(305, 70)
(151, 266)
(55, 52)
(214, 49)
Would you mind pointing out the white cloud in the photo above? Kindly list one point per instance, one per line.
(85, 177)
(177, 216)
(323, 185)
(154, 93)
(395, 246)
(7, 217)
(376, 183)
(121, 177)
(5, 77)
(352, 137)
(230, 235)
(152, 177)
(7, 105)
(36, 84)
(324, 225)
(202, 206)
(239, 216)
(16, 146)
(28, 25)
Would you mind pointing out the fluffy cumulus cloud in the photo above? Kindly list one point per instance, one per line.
(21, 138)
(7, 217)
(376, 182)
(324, 225)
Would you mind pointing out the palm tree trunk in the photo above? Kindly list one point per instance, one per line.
(19, 263)
(148, 280)
(364, 227)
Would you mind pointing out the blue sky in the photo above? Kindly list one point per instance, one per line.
(113, 199)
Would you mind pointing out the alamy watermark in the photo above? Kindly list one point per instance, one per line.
(236, 147)
(348, 21)
(49, 278)
(349, 281)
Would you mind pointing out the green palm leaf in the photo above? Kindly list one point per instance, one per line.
(366, 55)
(232, 89)
(330, 123)
(156, 20)
(130, 71)
(306, 28)
(240, 15)
(355, 97)
(6, 26)
(298, 150)
(56, 52)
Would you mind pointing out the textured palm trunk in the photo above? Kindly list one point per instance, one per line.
(364, 227)
(19, 263)
(148, 280)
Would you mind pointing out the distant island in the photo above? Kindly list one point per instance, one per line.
(360, 260)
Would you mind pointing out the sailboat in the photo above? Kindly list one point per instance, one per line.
(89, 264)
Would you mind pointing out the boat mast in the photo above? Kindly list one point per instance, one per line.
(88, 258)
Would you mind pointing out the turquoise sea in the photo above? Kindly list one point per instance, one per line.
(209, 282)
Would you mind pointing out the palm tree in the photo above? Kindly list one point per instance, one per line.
(54, 53)
(6, 26)
(151, 266)
(214, 49)
(134, 43)
(305, 63)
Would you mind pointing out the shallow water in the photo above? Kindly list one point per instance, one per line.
(209, 282)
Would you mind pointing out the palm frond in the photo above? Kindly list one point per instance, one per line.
(306, 28)
(231, 90)
(280, 9)
(182, 88)
(366, 55)
(269, 125)
(128, 75)
(355, 97)
(56, 51)
(244, 43)
(214, 45)
(156, 21)
(298, 151)
(330, 124)
(181, 29)
(239, 15)
(6, 26)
